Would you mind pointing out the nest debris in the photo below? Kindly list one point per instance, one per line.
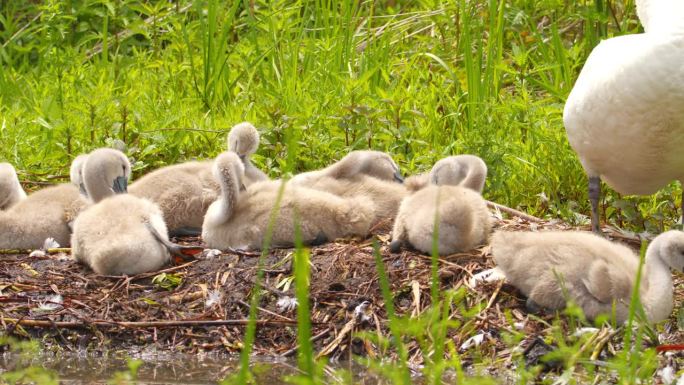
(67, 306)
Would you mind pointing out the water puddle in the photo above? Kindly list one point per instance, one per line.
(165, 369)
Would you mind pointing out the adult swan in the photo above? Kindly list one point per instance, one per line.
(625, 115)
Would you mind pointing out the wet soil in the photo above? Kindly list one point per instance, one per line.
(163, 368)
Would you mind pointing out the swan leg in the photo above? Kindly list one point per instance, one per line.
(594, 196)
(186, 232)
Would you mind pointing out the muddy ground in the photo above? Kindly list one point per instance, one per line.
(69, 308)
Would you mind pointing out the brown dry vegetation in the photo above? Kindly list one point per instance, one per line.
(101, 313)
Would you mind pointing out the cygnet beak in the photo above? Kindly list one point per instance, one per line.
(395, 246)
(398, 177)
(242, 187)
(120, 185)
(243, 157)
(82, 190)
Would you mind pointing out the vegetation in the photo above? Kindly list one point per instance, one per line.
(420, 79)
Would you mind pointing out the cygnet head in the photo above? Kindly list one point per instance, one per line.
(373, 163)
(7, 171)
(243, 139)
(10, 188)
(106, 172)
(228, 168)
(76, 172)
(669, 246)
(460, 170)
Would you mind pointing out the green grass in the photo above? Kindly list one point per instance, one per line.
(420, 79)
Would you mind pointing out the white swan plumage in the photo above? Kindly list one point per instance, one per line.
(624, 116)
(597, 274)
(11, 191)
(118, 233)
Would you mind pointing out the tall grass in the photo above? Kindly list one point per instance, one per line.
(634, 364)
(402, 375)
(419, 79)
(305, 352)
(244, 374)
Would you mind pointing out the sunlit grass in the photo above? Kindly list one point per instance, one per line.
(421, 80)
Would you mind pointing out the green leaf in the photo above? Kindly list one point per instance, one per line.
(167, 281)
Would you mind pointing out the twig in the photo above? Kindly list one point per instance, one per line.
(143, 324)
(148, 132)
(381, 224)
(315, 338)
(179, 298)
(494, 295)
(601, 343)
(28, 251)
(448, 263)
(348, 327)
(22, 29)
(602, 364)
(150, 274)
(242, 252)
(127, 32)
(514, 212)
(245, 304)
(415, 289)
(618, 233)
(263, 286)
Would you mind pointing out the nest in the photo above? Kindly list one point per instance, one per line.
(203, 305)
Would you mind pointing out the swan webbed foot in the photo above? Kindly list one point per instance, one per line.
(594, 196)
(395, 246)
(186, 231)
(179, 253)
(532, 307)
(183, 254)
